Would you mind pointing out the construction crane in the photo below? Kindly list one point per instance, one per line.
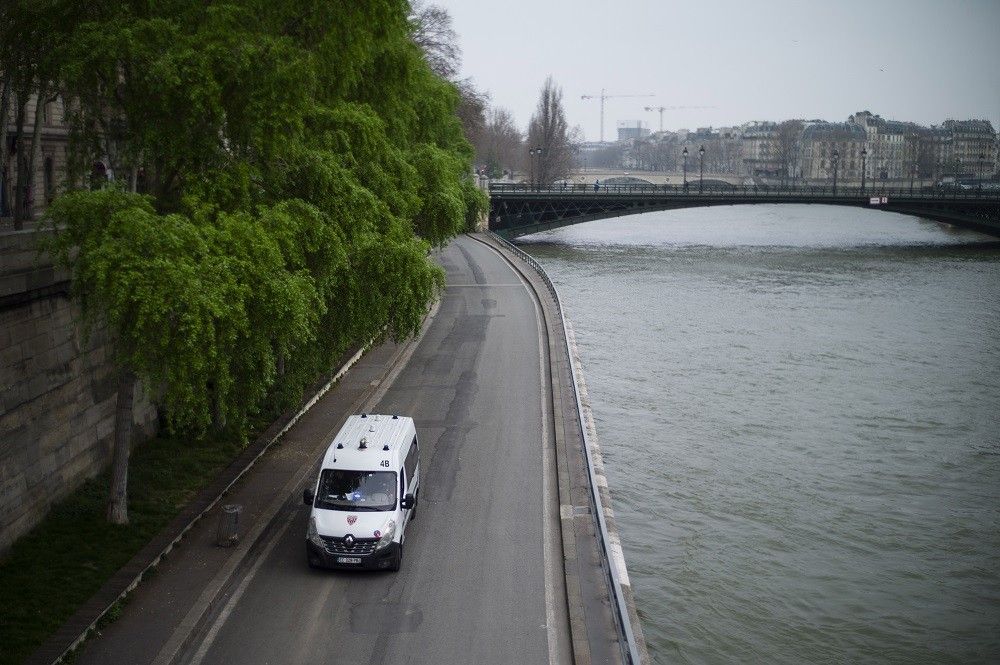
(661, 109)
(604, 96)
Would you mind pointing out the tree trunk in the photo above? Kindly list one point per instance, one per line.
(36, 148)
(4, 147)
(118, 500)
(18, 212)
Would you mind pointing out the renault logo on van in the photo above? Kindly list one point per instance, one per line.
(351, 519)
(349, 540)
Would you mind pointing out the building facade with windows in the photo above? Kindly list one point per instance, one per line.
(760, 148)
(50, 167)
(973, 147)
(829, 147)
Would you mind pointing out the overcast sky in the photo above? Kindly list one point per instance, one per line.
(920, 60)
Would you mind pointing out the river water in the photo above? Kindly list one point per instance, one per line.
(799, 409)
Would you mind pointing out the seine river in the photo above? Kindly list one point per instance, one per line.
(799, 408)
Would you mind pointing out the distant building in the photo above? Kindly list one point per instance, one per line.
(938, 146)
(826, 147)
(896, 150)
(973, 146)
(632, 129)
(761, 153)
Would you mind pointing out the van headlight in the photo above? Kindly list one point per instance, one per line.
(387, 534)
(312, 535)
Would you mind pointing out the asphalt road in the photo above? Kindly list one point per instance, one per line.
(482, 578)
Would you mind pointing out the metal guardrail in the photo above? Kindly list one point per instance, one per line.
(630, 649)
(964, 193)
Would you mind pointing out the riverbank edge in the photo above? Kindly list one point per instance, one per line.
(622, 598)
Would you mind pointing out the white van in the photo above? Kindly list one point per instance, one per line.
(365, 494)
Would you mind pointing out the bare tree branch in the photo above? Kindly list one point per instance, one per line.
(549, 131)
(432, 32)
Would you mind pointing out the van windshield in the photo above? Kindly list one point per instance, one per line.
(340, 489)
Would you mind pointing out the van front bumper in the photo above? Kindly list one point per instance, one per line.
(377, 560)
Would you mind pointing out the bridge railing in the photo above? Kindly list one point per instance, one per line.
(630, 649)
(964, 192)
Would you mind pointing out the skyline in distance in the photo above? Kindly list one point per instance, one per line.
(921, 61)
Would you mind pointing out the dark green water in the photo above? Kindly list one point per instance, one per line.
(799, 408)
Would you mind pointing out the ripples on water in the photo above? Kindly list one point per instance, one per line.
(799, 408)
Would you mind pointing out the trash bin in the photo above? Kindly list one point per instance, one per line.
(229, 525)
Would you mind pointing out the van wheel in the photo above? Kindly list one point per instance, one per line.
(398, 561)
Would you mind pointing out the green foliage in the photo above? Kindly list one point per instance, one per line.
(294, 162)
(477, 204)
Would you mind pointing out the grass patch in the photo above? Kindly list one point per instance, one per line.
(57, 567)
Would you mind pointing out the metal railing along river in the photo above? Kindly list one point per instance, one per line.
(962, 192)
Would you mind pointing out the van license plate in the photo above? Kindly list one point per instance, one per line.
(348, 559)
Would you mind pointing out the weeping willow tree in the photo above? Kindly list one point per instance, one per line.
(282, 170)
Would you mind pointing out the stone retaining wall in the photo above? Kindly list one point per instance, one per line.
(57, 390)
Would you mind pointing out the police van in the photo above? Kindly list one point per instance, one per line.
(365, 494)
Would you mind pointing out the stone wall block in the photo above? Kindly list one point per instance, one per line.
(57, 393)
(10, 357)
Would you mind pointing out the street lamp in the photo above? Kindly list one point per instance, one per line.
(533, 152)
(836, 161)
(685, 153)
(864, 159)
(701, 173)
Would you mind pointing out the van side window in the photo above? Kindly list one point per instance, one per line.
(402, 483)
(412, 456)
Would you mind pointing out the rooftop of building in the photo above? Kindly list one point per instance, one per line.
(839, 131)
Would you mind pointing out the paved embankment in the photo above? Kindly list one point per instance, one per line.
(502, 564)
(594, 563)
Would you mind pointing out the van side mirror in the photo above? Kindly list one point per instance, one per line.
(308, 496)
(407, 502)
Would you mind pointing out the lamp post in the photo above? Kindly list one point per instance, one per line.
(864, 159)
(836, 161)
(685, 153)
(533, 152)
(701, 172)
(982, 171)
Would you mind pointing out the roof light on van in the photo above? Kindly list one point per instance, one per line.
(364, 415)
(395, 417)
(371, 428)
(385, 447)
(363, 444)
(339, 446)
